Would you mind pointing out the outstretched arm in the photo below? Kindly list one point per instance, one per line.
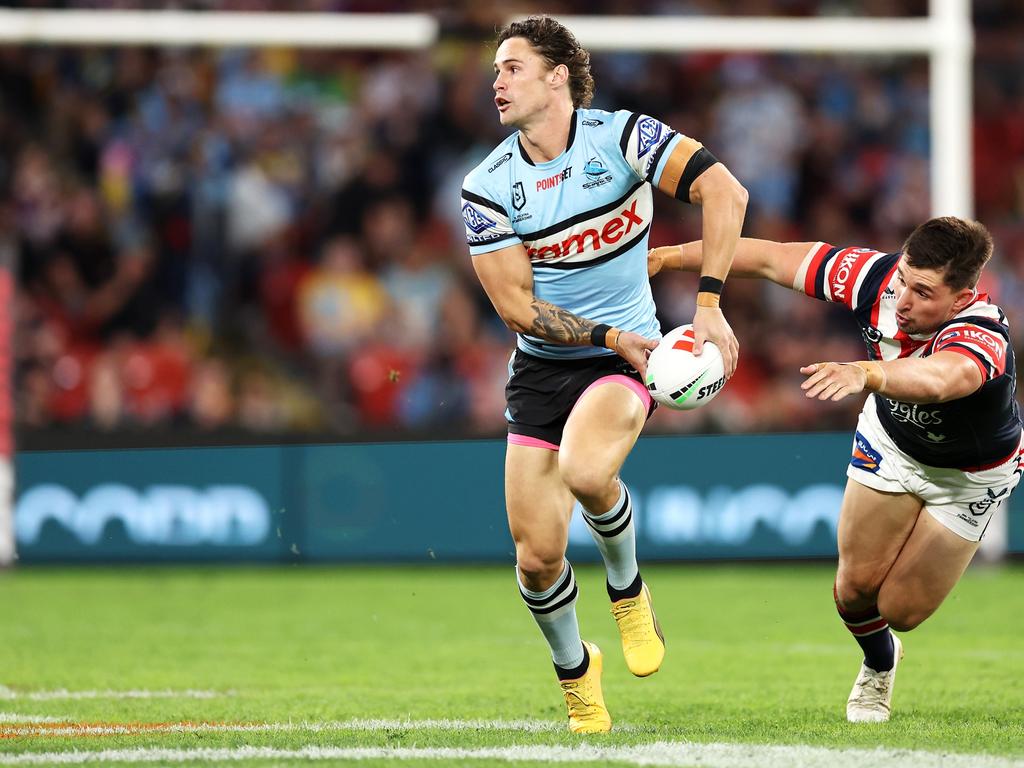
(507, 278)
(766, 259)
(937, 378)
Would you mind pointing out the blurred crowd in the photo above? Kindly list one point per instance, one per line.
(270, 240)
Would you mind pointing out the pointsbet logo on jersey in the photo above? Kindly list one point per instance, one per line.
(553, 181)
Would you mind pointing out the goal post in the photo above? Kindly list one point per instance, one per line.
(945, 37)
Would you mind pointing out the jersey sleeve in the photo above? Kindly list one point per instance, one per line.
(984, 346)
(853, 277)
(488, 227)
(663, 157)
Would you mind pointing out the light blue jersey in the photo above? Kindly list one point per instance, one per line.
(584, 219)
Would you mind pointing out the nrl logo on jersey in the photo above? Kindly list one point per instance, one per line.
(518, 196)
(871, 334)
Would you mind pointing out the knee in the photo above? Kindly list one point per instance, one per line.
(855, 590)
(902, 614)
(539, 566)
(589, 484)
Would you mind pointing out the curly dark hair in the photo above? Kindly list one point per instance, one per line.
(557, 45)
(959, 247)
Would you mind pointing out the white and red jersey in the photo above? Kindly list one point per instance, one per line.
(970, 433)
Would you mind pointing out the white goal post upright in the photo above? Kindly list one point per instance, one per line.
(945, 36)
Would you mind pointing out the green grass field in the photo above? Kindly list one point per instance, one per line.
(204, 659)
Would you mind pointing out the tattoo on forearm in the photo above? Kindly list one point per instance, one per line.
(557, 324)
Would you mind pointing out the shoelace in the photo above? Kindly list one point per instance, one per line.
(630, 617)
(871, 688)
(579, 706)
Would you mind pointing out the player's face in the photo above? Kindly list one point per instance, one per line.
(521, 83)
(923, 300)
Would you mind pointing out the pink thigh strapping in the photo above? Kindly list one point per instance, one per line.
(531, 442)
(639, 389)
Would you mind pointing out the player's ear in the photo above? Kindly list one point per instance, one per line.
(963, 297)
(559, 75)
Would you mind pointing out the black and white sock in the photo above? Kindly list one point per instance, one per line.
(554, 610)
(615, 536)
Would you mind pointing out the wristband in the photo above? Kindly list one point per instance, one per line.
(599, 333)
(874, 373)
(710, 285)
(705, 299)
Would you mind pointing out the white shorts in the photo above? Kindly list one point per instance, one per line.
(962, 501)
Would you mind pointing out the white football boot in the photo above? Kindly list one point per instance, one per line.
(871, 697)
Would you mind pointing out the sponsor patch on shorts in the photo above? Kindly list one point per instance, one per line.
(864, 456)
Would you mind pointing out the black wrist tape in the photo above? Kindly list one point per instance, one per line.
(710, 285)
(598, 334)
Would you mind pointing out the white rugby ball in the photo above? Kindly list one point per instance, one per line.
(680, 380)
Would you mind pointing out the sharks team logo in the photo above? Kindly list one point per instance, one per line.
(594, 169)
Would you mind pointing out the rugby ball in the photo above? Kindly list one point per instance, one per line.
(680, 380)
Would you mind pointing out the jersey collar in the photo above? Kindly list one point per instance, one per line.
(568, 143)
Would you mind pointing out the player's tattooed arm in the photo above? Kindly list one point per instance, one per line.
(557, 324)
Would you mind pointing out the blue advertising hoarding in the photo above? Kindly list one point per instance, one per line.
(695, 498)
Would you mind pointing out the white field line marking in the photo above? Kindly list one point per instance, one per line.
(14, 717)
(657, 754)
(61, 693)
(64, 728)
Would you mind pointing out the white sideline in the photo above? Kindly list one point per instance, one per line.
(14, 717)
(61, 693)
(62, 727)
(657, 754)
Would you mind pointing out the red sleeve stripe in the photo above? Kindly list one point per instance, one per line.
(989, 346)
(986, 368)
(813, 267)
(847, 284)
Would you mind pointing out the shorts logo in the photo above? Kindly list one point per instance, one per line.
(518, 196)
(475, 220)
(979, 508)
(864, 456)
(650, 132)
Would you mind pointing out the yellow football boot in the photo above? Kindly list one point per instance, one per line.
(583, 697)
(643, 645)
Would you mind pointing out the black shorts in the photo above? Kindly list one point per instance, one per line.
(541, 393)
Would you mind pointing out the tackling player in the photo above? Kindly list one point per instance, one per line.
(940, 432)
(557, 219)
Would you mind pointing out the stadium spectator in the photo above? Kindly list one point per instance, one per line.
(136, 180)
